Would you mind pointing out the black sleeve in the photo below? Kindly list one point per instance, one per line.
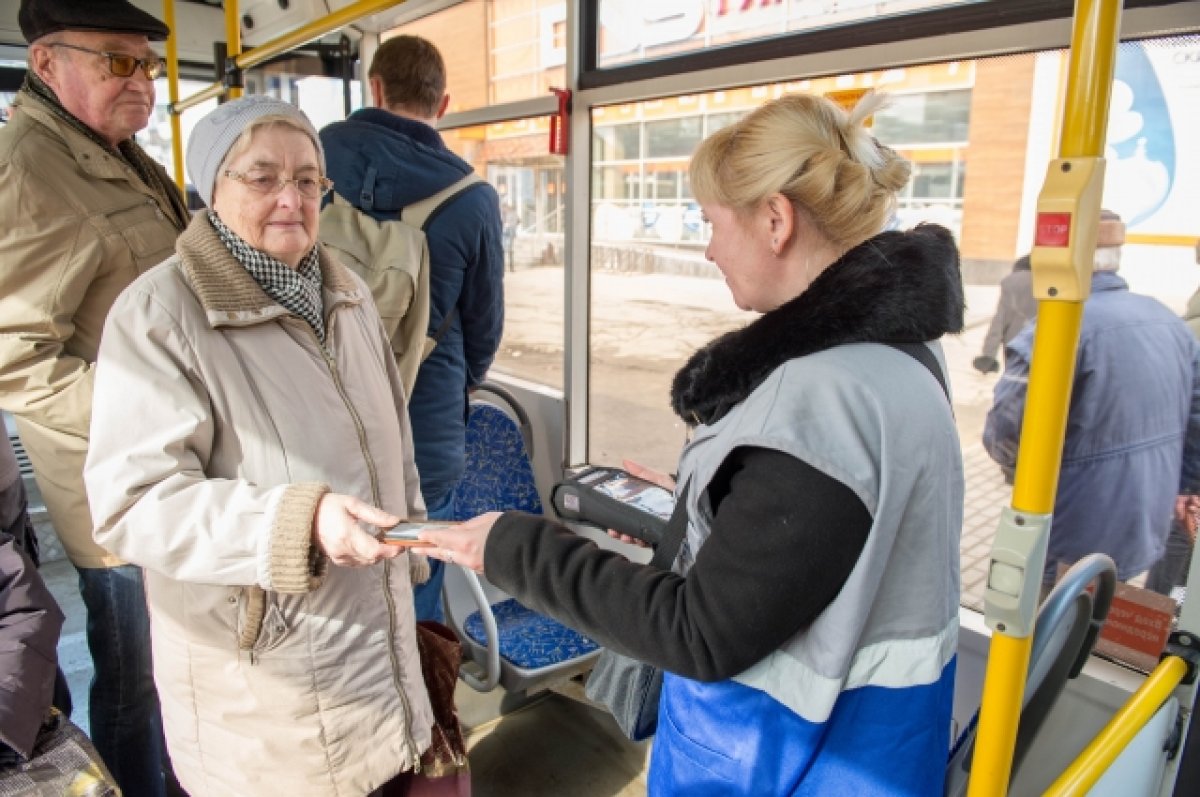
(784, 539)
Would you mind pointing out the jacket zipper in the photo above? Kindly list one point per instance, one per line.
(387, 591)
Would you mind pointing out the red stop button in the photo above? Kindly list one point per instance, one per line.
(1053, 229)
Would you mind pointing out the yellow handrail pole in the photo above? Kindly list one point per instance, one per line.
(173, 91)
(1141, 706)
(233, 40)
(1090, 72)
(996, 739)
(1051, 374)
(215, 90)
(313, 30)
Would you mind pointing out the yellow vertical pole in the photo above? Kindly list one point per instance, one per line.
(1090, 74)
(173, 92)
(233, 41)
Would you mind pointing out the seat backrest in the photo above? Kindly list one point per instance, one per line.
(499, 473)
(1068, 623)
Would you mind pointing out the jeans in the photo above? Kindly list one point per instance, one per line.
(427, 597)
(126, 725)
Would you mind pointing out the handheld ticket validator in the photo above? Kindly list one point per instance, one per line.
(615, 499)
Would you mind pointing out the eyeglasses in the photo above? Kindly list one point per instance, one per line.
(122, 65)
(270, 183)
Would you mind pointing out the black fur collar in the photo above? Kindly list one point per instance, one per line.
(898, 287)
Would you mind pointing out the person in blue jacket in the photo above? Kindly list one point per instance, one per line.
(392, 154)
(807, 628)
(1132, 442)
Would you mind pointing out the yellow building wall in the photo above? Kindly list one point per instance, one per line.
(992, 189)
(461, 35)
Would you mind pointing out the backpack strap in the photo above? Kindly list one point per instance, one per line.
(366, 193)
(921, 353)
(418, 214)
(436, 337)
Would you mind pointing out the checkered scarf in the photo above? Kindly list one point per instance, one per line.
(297, 289)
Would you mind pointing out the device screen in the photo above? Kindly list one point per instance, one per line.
(639, 493)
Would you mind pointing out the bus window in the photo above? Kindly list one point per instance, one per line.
(156, 138)
(979, 135)
(525, 41)
(514, 157)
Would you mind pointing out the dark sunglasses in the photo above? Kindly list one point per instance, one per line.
(122, 65)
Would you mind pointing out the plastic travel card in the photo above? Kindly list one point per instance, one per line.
(406, 532)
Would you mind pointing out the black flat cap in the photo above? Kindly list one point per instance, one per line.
(38, 18)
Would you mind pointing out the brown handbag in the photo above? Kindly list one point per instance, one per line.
(444, 766)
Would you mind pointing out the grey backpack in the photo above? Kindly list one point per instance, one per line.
(392, 257)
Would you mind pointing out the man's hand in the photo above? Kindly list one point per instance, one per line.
(985, 364)
(1187, 514)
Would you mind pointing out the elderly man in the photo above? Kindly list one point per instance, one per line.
(1132, 426)
(85, 211)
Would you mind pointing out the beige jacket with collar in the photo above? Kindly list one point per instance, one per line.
(79, 226)
(278, 673)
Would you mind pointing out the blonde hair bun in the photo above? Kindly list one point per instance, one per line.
(813, 152)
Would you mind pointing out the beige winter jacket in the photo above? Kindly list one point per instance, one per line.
(218, 423)
(78, 226)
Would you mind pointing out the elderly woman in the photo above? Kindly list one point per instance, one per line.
(808, 626)
(250, 429)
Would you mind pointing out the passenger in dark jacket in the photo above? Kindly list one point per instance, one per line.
(14, 504)
(382, 159)
(16, 523)
(30, 622)
(1133, 427)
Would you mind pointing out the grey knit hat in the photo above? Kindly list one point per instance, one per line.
(214, 135)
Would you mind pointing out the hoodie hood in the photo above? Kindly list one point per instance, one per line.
(381, 162)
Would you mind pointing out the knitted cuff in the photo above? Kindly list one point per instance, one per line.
(296, 565)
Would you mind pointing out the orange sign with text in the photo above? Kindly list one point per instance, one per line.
(1137, 628)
